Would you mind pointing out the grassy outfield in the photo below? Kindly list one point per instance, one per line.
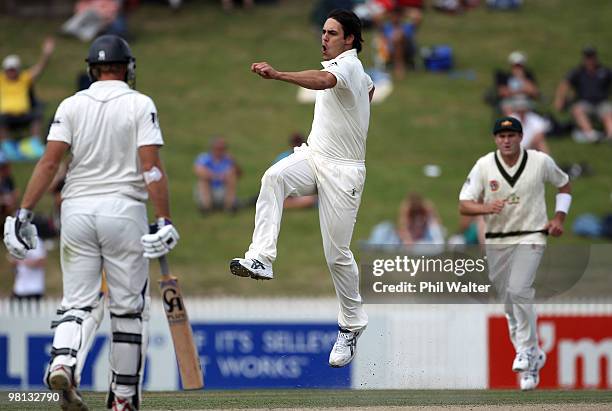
(195, 65)
(347, 398)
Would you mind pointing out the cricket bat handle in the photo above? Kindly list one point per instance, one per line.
(163, 265)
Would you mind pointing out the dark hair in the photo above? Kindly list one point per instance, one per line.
(350, 25)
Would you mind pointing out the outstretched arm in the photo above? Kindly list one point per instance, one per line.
(47, 50)
(311, 79)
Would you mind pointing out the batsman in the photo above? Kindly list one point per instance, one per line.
(113, 134)
(507, 187)
(332, 164)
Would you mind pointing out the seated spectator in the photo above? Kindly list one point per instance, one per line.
(8, 192)
(397, 43)
(30, 274)
(17, 105)
(518, 83)
(590, 83)
(418, 229)
(94, 17)
(535, 126)
(217, 175)
(296, 140)
(418, 222)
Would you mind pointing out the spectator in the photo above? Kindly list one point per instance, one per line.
(397, 44)
(418, 229)
(8, 191)
(590, 83)
(418, 222)
(18, 106)
(471, 231)
(518, 83)
(94, 17)
(30, 274)
(535, 126)
(217, 175)
(296, 140)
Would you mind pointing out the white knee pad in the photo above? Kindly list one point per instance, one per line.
(128, 352)
(74, 334)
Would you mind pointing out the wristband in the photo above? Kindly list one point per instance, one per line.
(563, 202)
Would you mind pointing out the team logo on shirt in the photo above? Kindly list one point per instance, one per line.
(155, 120)
(494, 185)
(513, 199)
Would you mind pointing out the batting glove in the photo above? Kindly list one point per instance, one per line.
(162, 238)
(20, 235)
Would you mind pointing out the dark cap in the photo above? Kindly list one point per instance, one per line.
(507, 124)
(589, 51)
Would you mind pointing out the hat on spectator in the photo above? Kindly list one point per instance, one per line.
(11, 62)
(589, 51)
(517, 57)
(507, 124)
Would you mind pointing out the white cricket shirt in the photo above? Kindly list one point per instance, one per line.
(342, 113)
(522, 186)
(104, 126)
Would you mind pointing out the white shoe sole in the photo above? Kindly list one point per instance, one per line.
(241, 271)
(59, 381)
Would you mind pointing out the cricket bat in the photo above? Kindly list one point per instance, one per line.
(182, 336)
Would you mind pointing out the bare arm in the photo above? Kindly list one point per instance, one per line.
(402, 223)
(555, 226)
(158, 190)
(43, 173)
(470, 207)
(561, 95)
(311, 79)
(47, 50)
(202, 172)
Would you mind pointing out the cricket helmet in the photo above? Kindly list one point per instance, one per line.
(108, 49)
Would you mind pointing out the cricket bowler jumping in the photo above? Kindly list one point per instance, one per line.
(332, 164)
(507, 186)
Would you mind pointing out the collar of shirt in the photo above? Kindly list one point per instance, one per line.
(348, 53)
(515, 165)
(108, 83)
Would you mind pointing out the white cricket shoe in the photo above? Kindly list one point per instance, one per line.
(521, 361)
(344, 349)
(60, 378)
(531, 378)
(250, 267)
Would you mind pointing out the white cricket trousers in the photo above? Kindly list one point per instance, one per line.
(339, 184)
(512, 270)
(103, 233)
